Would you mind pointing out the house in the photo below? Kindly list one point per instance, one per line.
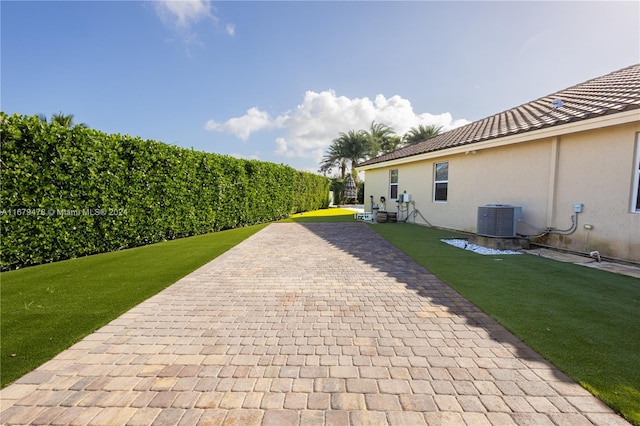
(570, 160)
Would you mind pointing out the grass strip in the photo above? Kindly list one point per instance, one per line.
(326, 215)
(584, 321)
(47, 308)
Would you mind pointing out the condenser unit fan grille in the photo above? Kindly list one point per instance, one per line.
(498, 220)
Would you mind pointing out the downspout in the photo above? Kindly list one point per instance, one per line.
(553, 175)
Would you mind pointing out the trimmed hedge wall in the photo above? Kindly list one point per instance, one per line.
(73, 192)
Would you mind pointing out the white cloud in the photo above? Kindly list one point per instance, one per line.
(311, 126)
(242, 127)
(322, 116)
(183, 13)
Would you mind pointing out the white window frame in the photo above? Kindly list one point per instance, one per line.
(635, 194)
(392, 184)
(436, 182)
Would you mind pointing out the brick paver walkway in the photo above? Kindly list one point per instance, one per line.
(316, 324)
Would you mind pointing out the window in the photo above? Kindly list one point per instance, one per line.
(635, 195)
(393, 186)
(440, 181)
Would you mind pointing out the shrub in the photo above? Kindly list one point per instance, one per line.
(69, 192)
(336, 187)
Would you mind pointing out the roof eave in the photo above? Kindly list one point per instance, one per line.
(624, 117)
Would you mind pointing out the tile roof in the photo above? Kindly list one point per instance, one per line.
(612, 93)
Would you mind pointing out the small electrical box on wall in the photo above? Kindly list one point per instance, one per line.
(404, 198)
(577, 207)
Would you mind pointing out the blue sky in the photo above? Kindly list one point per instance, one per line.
(277, 81)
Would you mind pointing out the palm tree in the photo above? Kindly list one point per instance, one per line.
(381, 138)
(350, 147)
(392, 144)
(421, 133)
(333, 158)
(63, 120)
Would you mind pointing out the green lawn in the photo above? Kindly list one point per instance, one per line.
(47, 308)
(585, 321)
(327, 215)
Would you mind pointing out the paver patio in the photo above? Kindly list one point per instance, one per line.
(303, 324)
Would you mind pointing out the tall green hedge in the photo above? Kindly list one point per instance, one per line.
(73, 192)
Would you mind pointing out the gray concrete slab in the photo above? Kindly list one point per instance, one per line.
(303, 324)
(590, 262)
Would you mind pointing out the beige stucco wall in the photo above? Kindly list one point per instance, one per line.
(546, 177)
(597, 168)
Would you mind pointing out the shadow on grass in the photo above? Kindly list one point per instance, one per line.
(582, 320)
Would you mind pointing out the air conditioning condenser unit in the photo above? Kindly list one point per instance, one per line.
(498, 220)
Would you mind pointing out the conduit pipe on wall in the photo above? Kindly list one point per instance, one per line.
(402, 208)
(415, 212)
(551, 230)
